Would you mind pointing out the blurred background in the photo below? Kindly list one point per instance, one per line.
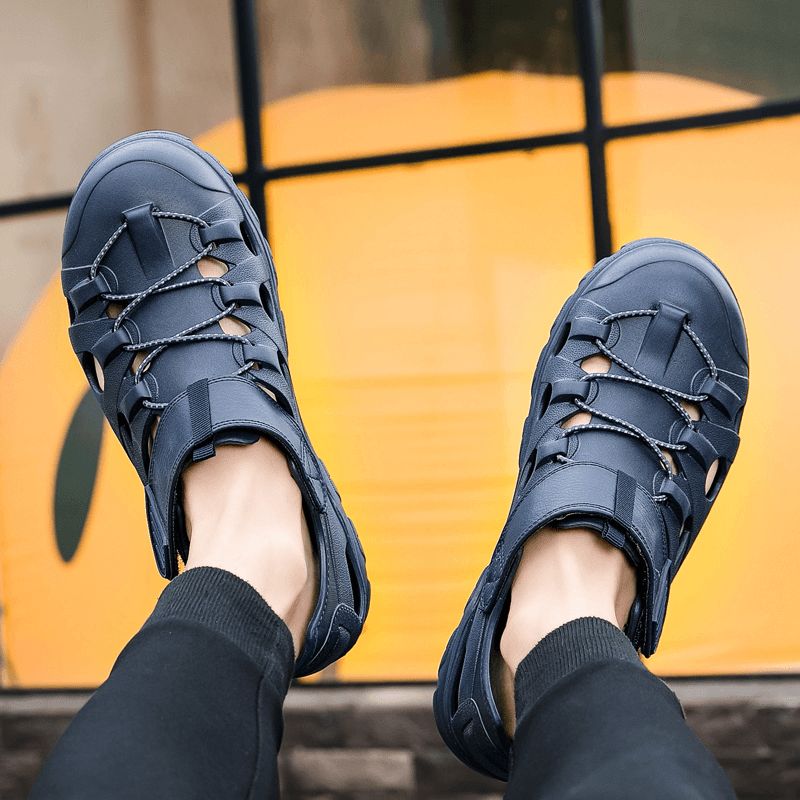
(435, 176)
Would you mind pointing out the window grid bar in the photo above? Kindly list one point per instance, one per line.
(248, 76)
(589, 43)
(774, 109)
(759, 113)
(35, 205)
(407, 157)
(257, 174)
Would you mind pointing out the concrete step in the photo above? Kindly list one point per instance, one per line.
(353, 742)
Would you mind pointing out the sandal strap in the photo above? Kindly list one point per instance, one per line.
(722, 396)
(87, 291)
(133, 398)
(725, 441)
(186, 432)
(149, 241)
(245, 293)
(660, 340)
(698, 447)
(600, 491)
(679, 499)
(224, 230)
(589, 329)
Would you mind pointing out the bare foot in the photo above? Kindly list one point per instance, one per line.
(562, 575)
(244, 514)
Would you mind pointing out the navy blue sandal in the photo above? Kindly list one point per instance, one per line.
(636, 473)
(147, 210)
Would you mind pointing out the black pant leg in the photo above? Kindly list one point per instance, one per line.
(192, 707)
(593, 723)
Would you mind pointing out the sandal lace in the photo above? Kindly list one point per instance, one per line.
(165, 284)
(670, 395)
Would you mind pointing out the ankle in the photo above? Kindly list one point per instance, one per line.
(244, 515)
(564, 575)
(273, 563)
(227, 494)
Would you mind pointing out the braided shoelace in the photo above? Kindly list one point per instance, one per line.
(672, 396)
(164, 284)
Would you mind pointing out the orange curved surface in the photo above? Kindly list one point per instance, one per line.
(417, 300)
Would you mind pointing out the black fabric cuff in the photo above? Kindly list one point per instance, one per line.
(573, 645)
(229, 606)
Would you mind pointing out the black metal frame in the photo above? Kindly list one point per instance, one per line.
(594, 136)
